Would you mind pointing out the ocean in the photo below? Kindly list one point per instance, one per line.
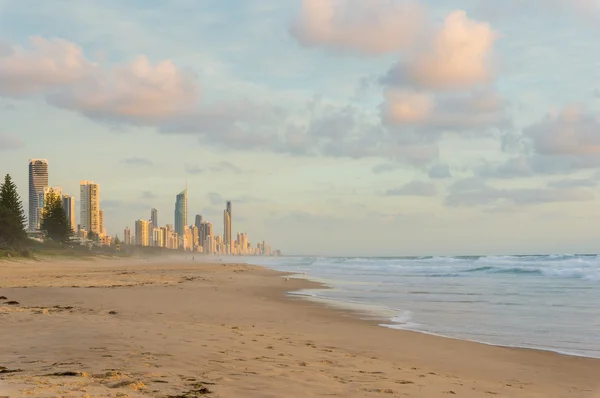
(548, 302)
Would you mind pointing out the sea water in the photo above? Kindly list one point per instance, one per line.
(549, 302)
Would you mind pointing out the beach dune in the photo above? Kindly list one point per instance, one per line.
(173, 328)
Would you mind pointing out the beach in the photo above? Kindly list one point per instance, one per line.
(177, 328)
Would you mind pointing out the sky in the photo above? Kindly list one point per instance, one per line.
(336, 127)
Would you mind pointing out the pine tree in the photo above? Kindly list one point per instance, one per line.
(54, 220)
(12, 217)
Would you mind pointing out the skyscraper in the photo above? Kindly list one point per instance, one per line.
(154, 218)
(68, 203)
(198, 224)
(181, 212)
(101, 222)
(38, 179)
(227, 228)
(141, 233)
(89, 204)
(127, 239)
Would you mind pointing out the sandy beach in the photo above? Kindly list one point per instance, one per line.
(173, 328)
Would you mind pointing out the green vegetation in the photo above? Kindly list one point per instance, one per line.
(12, 217)
(54, 220)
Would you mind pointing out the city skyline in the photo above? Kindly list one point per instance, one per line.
(145, 232)
(444, 128)
(197, 238)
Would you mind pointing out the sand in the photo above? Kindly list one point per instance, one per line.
(173, 328)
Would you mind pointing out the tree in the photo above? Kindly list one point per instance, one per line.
(92, 236)
(12, 217)
(54, 220)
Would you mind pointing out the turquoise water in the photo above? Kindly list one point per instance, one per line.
(544, 302)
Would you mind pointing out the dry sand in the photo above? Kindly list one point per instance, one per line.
(181, 329)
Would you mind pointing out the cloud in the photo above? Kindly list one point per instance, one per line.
(575, 182)
(480, 109)
(570, 131)
(8, 143)
(138, 92)
(215, 198)
(220, 167)
(439, 172)
(137, 161)
(166, 98)
(385, 168)
(148, 195)
(45, 65)
(475, 192)
(457, 57)
(369, 27)
(414, 188)
(563, 141)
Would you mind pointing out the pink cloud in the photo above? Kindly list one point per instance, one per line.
(405, 106)
(465, 111)
(457, 57)
(136, 90)
(367, 26)
(45, 65)
(60, 71)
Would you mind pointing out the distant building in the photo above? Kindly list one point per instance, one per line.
(38, 179)
(127, 238)
(154, 218)
(89, 204)
(68, 203)
(141, 233)
(181, 212)
(101, 223)
(227, 229)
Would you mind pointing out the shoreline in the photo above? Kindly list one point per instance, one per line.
(149, 322)
(348, 306)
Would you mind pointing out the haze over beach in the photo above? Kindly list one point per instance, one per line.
(290, 198)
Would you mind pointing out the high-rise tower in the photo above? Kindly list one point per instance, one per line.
(154, 218)
(68, 203)
(181, 212)
(227, 228)
(38, 179)
(89, 204)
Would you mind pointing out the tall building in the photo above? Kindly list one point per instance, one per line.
(227, 228)
(101, 223)
(181, 213)
(198, 224)
(89, 204)
(154, 218)
(127, 239)
(141, 233)
(68, 203)
(38, 179)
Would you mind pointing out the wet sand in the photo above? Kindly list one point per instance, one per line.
(173, 328)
